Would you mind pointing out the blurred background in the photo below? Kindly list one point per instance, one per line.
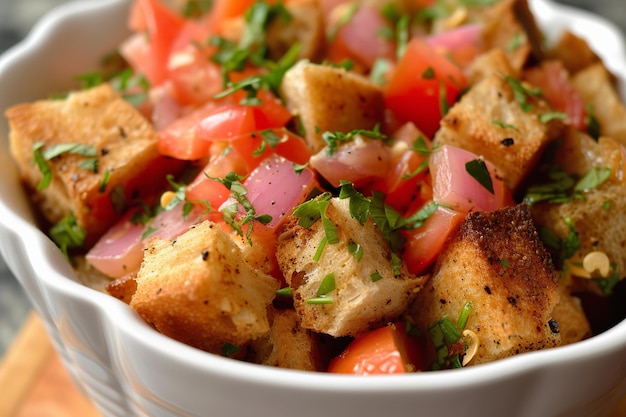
(16, 19)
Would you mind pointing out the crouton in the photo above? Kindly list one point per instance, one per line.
(492, 62)
(495, 261)
(569, 314)
(510, 26)
(328, 99)
(305, 27)
(595, 86)
(598, 226)
(123, 288)
(127, 165)
(287, 344)
(574, 52)
(365, 290)
(594, 216)
(197, 289)
(491, 121)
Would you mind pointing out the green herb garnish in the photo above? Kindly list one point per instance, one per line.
(477, 168)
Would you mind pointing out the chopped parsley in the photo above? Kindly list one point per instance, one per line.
(563, 187)
(334, 139)
(326, 286)
(522, 93)
(228, 349)
(231, 211)
(593, 126)
(68, 234)
(376, 276)
(196, 8)
(554, 115)
(314, 210)
(564, 248)
(477, 168)
(43, 154)
(446, 336)
(252, 49)
(355, 250)
(503, 125)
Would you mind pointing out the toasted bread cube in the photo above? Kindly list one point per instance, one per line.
(492, 62)
(595, 218)
(510, 26)
(574, 52)
(489, 121)
(123, 288)
(569, 314)
(305, 27)
(328, 99)
(198, 290)
(495, 261)
(128, 166)
(596, 88)
(366, 294)
(600, 227)
(287, 344)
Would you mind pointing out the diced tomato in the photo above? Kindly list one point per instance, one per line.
(162, 26)
(424, 243)
(553, 80)
(252, 149)
(401, 184)
(224, 11)
(455, 187)
(386, 350)
(271, 113)
(422, 83)
(359, 39)
(226, 122)
(292, 147)
(196, 79)
(205, 189)
(180, 139)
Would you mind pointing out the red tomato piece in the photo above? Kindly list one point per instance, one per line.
(387, 350)
(162, 26)
(180, 139)
(553, 80)
(206, 189)
(226, 122)
(424, 243)
(194, 77)
(292, 147)
(421, 84)
(252, 150)
(401, 184)
(271, 113)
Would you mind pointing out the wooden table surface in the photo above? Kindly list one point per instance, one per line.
(34, 383)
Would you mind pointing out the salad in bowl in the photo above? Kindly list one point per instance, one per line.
(256, 198)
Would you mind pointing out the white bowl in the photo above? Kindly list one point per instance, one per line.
(128, 369)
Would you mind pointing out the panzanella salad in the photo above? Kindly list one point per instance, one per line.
(363, 187)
